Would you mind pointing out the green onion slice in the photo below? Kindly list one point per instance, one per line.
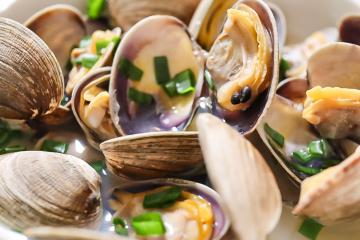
(12, 149)
(85, 42)
(98, 165)
(95, 8)
(185, 82)
(87, 60)
(316, 148)
(54, 146)
(210, 81)
(310, 228)
(120, 226)
(303, 156)
(101, 44)
(148, 224)
(162, 72)
(274, 135)
(140, 97)
(284, 67)
(129, 70)
(307, 170)
(170, 89)
(162, 199)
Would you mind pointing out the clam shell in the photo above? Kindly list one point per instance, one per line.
(125, 13)
(53, 233)
(41, 188)
(61, 27)
(242, 177)
(335, 65)
(98, 76)
(29, 71)
(333, 195)
(156, 154)
(222, 221)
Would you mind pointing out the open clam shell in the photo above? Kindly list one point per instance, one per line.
(28, 70)
(126, 13)
(246, 83)
(156, 36)
(61, 27)
(221, 218)
(156, 154)
(91, 107)
(41, 188)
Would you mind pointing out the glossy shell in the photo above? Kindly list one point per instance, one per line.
(27, 66)
(157, 154)
(41, 188)
(126, 13)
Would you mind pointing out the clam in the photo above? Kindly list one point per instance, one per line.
(28, 70)
(332, 196)
(255, 205)
(94, 52)
(197, 213)
(332, 105)
(61, 27)
(244, 66)
(155, 154)
(349, 29)
(91, 107)
(41, 188)
(67, 233)
(126, 13)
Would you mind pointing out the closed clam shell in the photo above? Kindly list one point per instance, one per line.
(61, 27)
(48, 189)
(61, 233)
(156, 154)
(125, 13)
(29, 72)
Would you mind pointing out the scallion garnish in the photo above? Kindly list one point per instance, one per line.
(307, 170)
(101, 44)
(209, 80)
(98, 166)
(54, 146)
(65, 100)
(87, 60)
(139, 97)
(95, 8)
(303, 156)
(120, 226)
(310, 228)
(284, 67)
(85, 42)
(162, 199)
(170, 89)
(185, 82)
(129, 70)
(12, 149)
(148, 224)
(162, 72)
(274, 135)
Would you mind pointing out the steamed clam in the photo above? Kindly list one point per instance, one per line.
(126, 13)
(181, 210)
(39, 188)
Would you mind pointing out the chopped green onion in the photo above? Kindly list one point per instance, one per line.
(170, 89)
(129, 70)
(307, 170)
(148, 224)
(101, 44)
(185, 82)
(274, 135)
(284, 67)
(327, 149)
(303, 156)
(310, 228)
(316, 148)
(12, 149)
(65, 100)
(116, 40)
(162, 199)
(54, 146)
(87, 60)
(95, 8)
(98, 166)
(162, 72)
(120, 226)
(85, 42)
(140, 97)
(209, 80)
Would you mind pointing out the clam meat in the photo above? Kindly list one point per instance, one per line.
(168, 208)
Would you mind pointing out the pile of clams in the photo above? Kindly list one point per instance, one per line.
(174, 89)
